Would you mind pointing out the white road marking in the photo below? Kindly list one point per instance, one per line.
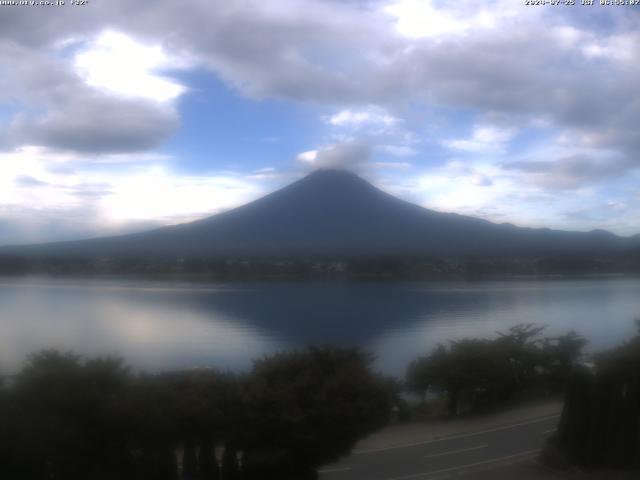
(469, 465)
(546, 432)
(334, 470)
(453, 452)
(456, 437)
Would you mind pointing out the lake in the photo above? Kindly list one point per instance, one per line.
(165, 325)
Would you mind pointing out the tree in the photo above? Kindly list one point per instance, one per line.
(559, 357)
(65, 417)
(68, 417)
(482, 373)
(478, 371)
(426, 372)
(600, 424)
(206, 406)
(475, 372)
(522, 346)
(308, 408)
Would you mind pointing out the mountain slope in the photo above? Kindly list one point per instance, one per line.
(333, 212)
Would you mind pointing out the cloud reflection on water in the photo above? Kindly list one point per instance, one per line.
(158, 326)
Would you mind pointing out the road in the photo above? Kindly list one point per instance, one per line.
(505, 451)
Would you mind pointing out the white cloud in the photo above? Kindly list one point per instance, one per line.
(531, 193)
(460, 187)
(613, 48)
(419, 19)
(424, 19)
(484, 139)
(49, 195)
(271, 174)
(118, 64)
(159, 194)
(371, 116)
(308, 157)
(350, 155)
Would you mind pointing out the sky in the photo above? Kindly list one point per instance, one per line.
(118, 116)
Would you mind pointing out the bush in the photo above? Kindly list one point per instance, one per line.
(314, 404)
(68, 418)
(600, 424)
(480, 374)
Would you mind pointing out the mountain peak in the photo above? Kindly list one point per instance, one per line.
(322, 189)
(335, 171)
(332, 180)
(333, 174)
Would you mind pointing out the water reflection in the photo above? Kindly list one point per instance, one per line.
(158, 326)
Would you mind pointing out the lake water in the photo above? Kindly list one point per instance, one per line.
(160, 326)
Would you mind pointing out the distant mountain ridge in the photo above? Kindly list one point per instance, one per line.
(335, 213)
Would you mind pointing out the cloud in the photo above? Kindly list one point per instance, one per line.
(360, 54)
(456, 186)
(308, 157)
(157, 193)
(116, 63)
(371, 116)
(41, 203)
(57, 108)
(354, 155)
(423, 19)
(364, 67)
(484, 139)
(571, 172)
(392, 165)
(481, 181)
(272, 174)
(350, 155)
(574, 192)
(333, 51)
(398, 150)
(96, 124)
(478, 59)
(28, 181)
(608, 215)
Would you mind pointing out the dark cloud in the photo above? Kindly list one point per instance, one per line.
(334, 54)
(58, 110)
(337, 53)
(29, 181)
(351, 155)
(98, 124)
(570, 172)
(61, 24)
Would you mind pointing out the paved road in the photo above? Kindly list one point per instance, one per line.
(499, 452)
